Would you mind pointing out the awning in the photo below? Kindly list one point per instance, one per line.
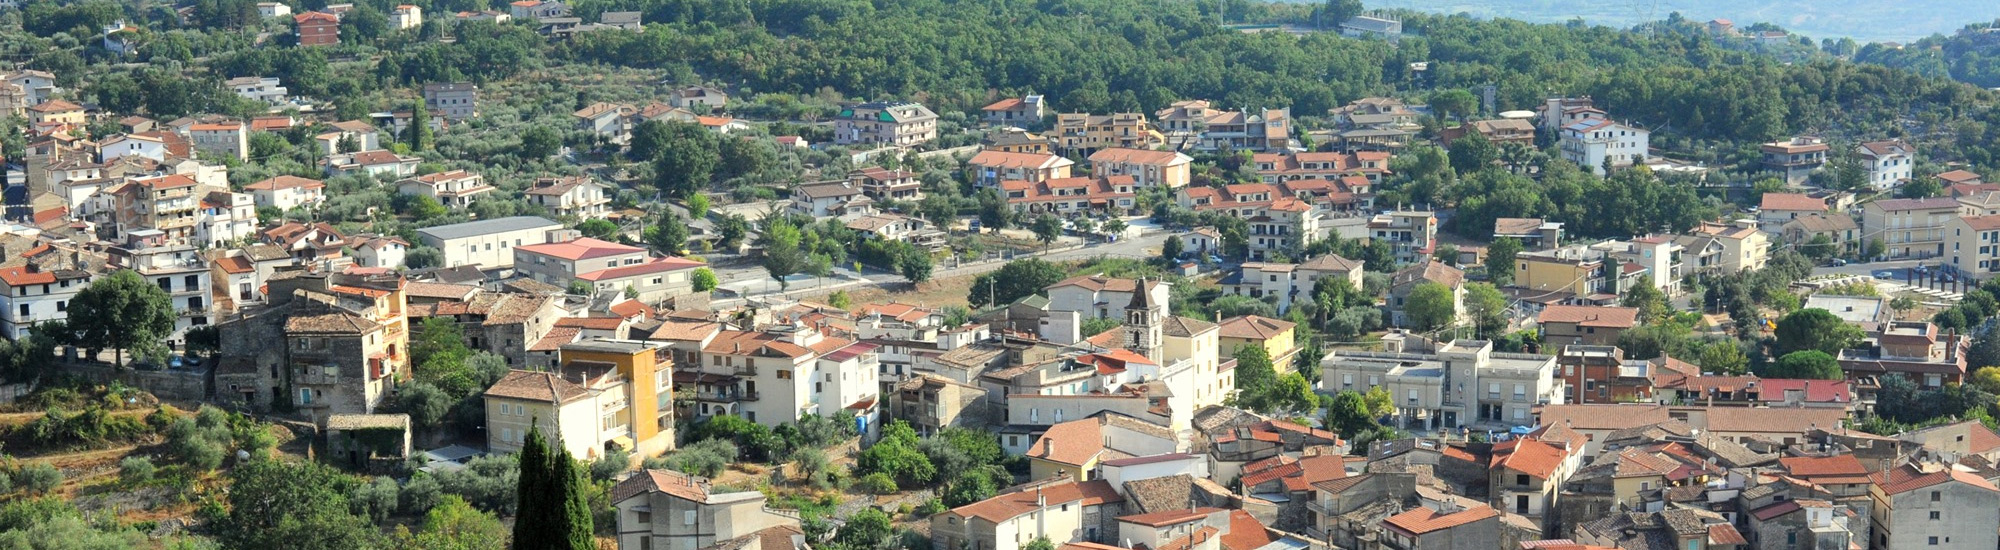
(622, 442)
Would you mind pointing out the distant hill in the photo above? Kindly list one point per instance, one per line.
(1862, 20)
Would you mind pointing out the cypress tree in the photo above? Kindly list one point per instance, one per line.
(577, 527)
(533, 513)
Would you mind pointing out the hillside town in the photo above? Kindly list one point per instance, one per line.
(389, 302)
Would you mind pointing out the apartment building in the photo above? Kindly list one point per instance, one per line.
(1910, 228)
(1973, 244)
(326, 344)
(885, 123)
(1592, 143)
(989, 168)
(669, 510)
(1413, 234)
(230, 138)
(488, 244)
(1932, 506)
(1465, 384)
(287, 192)
(31, 294)
(606, 394)
(577, 196)
(453, 189)
(1887, 162)
(454, 101)
(1794, 159)
(1149, 169)
(788, 371)
(1085, 134)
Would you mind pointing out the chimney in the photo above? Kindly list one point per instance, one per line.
(1048, 447)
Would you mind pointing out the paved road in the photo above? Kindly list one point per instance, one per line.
(1872, 267)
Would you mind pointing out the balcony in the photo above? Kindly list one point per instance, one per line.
(747, 370)
(719, 396)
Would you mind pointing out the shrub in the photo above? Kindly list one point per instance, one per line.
(488, 482)
(877, 483)
(38, 478)
(376, 499)
(931, 507)
(705, 458)
(613, 463)
(421, 494)
(134, 470)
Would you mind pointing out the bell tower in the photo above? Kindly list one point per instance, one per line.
(1143, 318)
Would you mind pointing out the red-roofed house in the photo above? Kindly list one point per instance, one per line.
(653, 280)
(1592, 325)
(1923, 508)
(560, 263)
(1778, 208)
(287, 192)
(317, 28)
(1066, 194)
(1076, 448)
(31, 295)
(670, 510)
(454, 189)
(1447, 527)
(1525, 475)
(1015, 111)
(789, 370)
(990, 168)
(1148, 168)
(1064, 510)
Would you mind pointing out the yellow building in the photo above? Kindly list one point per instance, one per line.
(607, 394)
(1559, 270)
(56, 111)
(1274, 335)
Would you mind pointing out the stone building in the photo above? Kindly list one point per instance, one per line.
(325, 344)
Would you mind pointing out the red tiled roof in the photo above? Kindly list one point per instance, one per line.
(1423, 520)
(1725, 534)
(1907, 478)
(1169, 517)
(20, 275)
(592, 323)
(1792, 201)
(656, 265)
(1245, 532)
(1011, 505)
(580, 249)
(1810, 466)
(1591, 316)
(1529, 456)
(1817, 391)
(1254, 327)
(235, 265)
(285, 182)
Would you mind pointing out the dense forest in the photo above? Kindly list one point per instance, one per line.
(1971, 55)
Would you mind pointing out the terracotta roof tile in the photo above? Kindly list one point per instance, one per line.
(1423, 520)
(1591, 316)
(539, 386)
(1008, 506)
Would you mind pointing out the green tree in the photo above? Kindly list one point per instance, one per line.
(1047, 229)
(1488, 309)
(1171, 249)
(704, 279)
(1724, 358)
(782, 255)
(1380, 402)
(599, 229)
(896, 454)
(552, 513)
(122, 311)
(1820, 248)
(686, 161)
(1256, 378)
(1456, 102)
(994, 212)
(1430, 306)
(1016, 280)
(915, 264)
(1809, 364)
(538, 142)
(668, 234)
(418, 134)
(454, 524)
(284, 504)
(869, 528)
(697, 205)
(1647, 298)
(1815, 329)
(1335, 12)
(1348, 414)
(423, 207)
(1040, 543)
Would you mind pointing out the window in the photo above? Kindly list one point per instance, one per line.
(1933, 541)
(24, 310)
(1936, 515)
(305, 396)
(643, 516)
(1936, 496)
(687, 517)
(1521, 479)
(784, 374)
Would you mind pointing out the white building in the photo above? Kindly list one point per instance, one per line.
(1591, 141)
(273, 9)
(264, 89)
(225, 218)
(407, 17)
(30, 295)
(454, 189)
(226, 138)
(1887, 163)
(788, 371)
(488, 244)
(1464, 384)
(579, 196)
(287, 192)
(132, 145)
